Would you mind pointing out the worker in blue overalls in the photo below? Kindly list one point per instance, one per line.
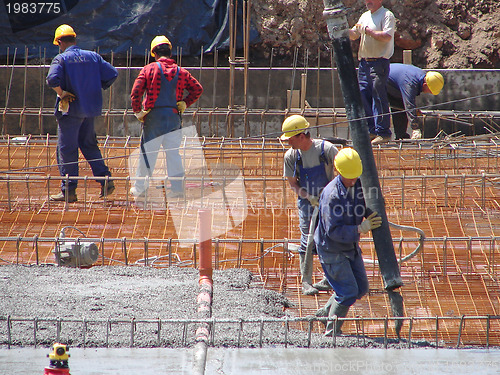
(78, 77)
(158, 101)
(343, 216)
(308, 167)
(404, 84)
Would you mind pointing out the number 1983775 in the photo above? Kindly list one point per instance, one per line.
(33, 8)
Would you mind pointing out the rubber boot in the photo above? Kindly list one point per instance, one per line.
(306, 273)
(323, 312)
(323, 285)
(334, 327)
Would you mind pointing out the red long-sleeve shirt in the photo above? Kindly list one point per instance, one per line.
(149, 82)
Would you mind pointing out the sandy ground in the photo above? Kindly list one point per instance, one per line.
(98, 307)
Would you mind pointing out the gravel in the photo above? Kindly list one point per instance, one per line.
(146, 307)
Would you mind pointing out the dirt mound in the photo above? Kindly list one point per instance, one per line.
(441, 33)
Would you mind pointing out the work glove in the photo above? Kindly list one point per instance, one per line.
(141, 114)
(360, 29)
(64, 99)
(371, 222)
(181, 106)
(313, 200)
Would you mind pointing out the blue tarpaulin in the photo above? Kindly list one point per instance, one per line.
(117, 25)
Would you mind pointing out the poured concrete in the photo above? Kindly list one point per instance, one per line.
(273, 361)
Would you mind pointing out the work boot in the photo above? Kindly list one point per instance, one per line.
(416, 134)
(334, 327)
(323, 285)
(323, 312)
(307, 288)
(136, 193)
(379, 139)
(402, 136)
(107, 189)
(175, 194)
(61, 197)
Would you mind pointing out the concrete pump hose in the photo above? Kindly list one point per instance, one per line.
(417, 250)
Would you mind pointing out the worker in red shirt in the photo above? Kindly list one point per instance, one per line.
(158, 102)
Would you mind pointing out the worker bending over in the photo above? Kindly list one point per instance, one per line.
(404, 84)
(342, 210)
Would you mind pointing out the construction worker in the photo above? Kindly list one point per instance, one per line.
(376, 29)
(340, 222)
(404, 84)
(78, 77)
(308, 168)
(162, 84)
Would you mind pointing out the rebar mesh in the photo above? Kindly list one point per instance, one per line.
(450, 192)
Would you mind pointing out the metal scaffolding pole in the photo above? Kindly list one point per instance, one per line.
(238, 60)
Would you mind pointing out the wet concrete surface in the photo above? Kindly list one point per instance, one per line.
(290, 361)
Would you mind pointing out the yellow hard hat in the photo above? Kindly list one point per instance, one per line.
(160, 39)
(348, 163)
(63, 30)
(435, 82)
(293, 125)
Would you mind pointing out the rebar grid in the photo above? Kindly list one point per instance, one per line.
(451, 192)
(30, 192)
(413, 176)
(441, 331)
(439, 157)
(443, 283)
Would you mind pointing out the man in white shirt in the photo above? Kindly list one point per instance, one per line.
(376, 29)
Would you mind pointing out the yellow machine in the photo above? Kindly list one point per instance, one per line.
(58, 360)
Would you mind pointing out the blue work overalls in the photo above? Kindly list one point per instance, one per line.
(313, 180)
(337, 240)
(85, 74)
(162, 127)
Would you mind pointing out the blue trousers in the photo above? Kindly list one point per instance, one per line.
(347, 276)
(78, 133)
(372, 76)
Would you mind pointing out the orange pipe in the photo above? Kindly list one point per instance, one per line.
(205, 220)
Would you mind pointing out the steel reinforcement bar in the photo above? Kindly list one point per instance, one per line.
(470, 155)
(247, 332)
(485, 245)
(220, 121)
(32, 191)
